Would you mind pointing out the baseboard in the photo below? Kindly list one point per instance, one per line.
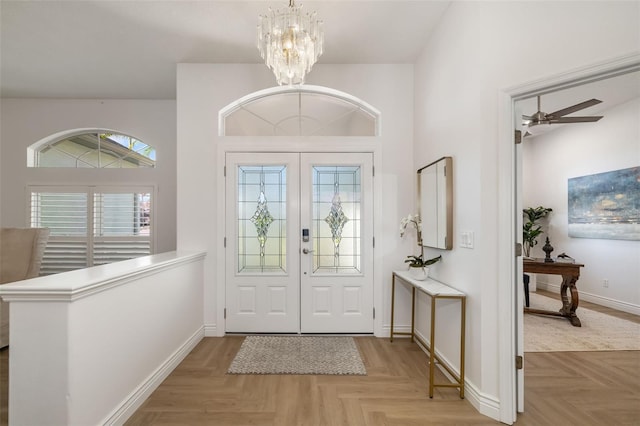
(386, 331)
(210, 330)
(138, 396)
(594, 298)
(485, 404)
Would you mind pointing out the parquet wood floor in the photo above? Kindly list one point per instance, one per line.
(570, 388)
(394, 392)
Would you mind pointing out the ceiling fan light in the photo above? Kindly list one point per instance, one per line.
(538, 129)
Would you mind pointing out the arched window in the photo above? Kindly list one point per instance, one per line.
(299, 111)
(92, 223)
(91, 149)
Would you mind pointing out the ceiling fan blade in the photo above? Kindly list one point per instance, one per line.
(574, 108)
(575, 119)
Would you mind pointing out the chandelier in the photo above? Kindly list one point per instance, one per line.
(290, 42)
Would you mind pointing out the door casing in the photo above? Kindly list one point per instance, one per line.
(315, 144)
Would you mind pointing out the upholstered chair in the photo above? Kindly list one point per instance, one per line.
(21, 251)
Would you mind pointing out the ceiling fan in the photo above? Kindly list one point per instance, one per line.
(533, 122)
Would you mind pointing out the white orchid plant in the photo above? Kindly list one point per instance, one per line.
(411, 219)
(416, 261)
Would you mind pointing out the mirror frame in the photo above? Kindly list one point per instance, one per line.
(442, 197)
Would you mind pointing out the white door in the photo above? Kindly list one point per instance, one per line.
(336, 205)
(299, 234)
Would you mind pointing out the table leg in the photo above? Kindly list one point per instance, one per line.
(432, 347)
(413, 312)
(393, 296)
(463, 320)
(569, 307)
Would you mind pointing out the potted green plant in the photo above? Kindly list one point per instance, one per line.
(418, 267)
(530, 229)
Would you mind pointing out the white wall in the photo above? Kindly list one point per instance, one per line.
(478, 50)
(204, 89)
(549, 160)
(89, 346)
(25, 121)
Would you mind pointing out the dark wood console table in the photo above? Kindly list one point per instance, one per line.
(570, 273)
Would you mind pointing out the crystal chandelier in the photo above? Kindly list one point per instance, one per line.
(290, 42)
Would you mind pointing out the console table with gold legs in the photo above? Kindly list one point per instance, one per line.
(435, 290)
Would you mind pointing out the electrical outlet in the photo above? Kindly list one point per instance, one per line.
(605, 283)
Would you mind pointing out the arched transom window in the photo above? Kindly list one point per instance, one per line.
(91, 149)
(299, 111)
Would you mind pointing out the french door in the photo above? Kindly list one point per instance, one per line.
(299, 251)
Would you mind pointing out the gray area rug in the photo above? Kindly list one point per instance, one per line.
(298, 355)
(599, 332)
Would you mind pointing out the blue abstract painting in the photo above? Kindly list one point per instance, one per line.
(605, 205)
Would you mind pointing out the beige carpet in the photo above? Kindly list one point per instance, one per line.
(298, 355)
(599, 332)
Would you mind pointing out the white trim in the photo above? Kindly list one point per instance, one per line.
(75, 132)
(210, 330)
(507, 237)
(369, 144)
(90, 189)
(485, 404)
(306, 88)
(85, 282)
(577, 77)
(508, 172)
(145, 389)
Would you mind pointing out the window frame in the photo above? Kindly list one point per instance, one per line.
(33, 150)
(91, 189)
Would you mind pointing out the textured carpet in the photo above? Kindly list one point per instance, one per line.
(599, 332)
(298, 355)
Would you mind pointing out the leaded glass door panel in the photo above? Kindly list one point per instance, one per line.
(336, 199)
(299, 233)
(262, 264)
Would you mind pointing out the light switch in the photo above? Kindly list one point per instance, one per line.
(466, 239)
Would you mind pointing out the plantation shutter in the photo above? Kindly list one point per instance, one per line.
(91, 225)
(120, 231)
(65, 214)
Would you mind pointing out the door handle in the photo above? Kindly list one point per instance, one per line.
(307, 251)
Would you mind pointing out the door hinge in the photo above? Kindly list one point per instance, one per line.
(373, 171)
(225, 242)
(518, 249)
(518, 137)
(519, 362)
(225, 313)
(224, 171)
(374, 242)
(374, 312)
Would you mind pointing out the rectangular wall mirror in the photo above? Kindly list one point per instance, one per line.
(435, 201)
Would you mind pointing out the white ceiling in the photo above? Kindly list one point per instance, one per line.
(129, 49)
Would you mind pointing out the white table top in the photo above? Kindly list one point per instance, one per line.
(429, 286)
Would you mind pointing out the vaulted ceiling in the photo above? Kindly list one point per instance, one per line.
(101, 49)
(129, 49)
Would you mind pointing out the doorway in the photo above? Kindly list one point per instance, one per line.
(511, 214)
(299, 242)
